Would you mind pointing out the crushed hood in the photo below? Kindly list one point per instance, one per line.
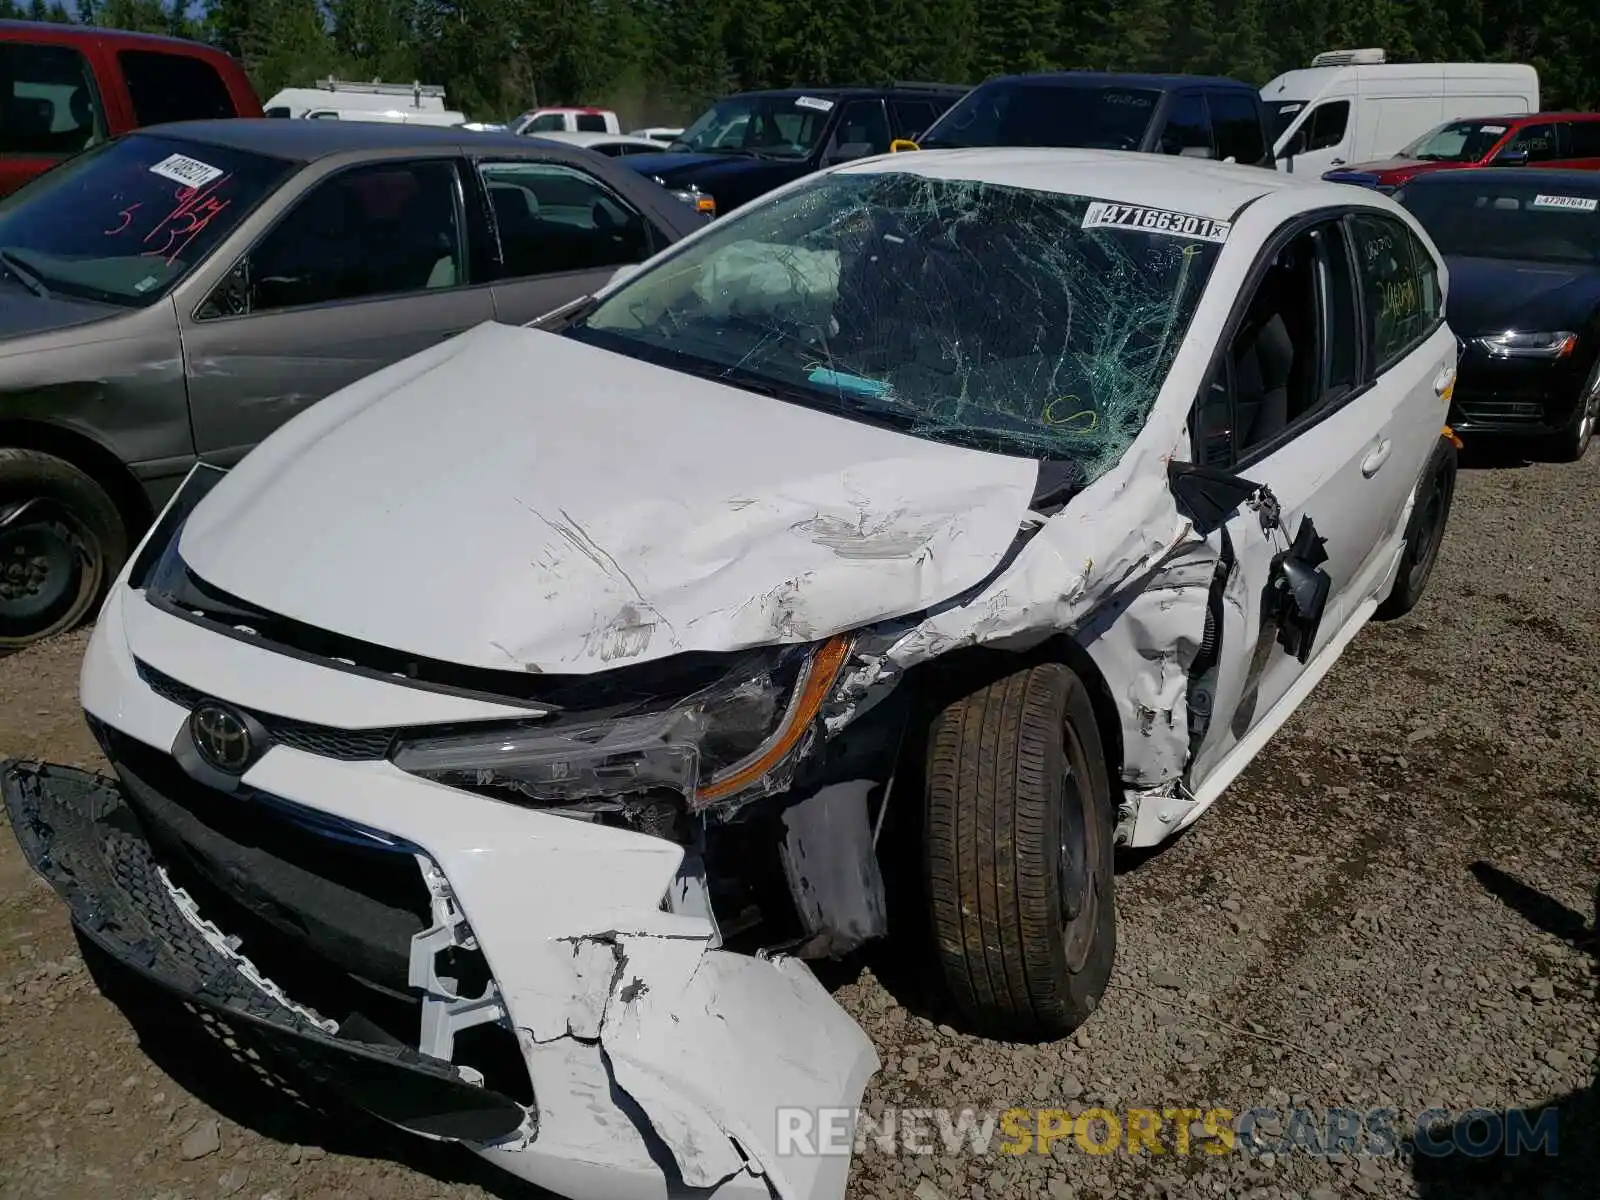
(517, 500)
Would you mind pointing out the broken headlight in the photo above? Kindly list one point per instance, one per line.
(737, 739)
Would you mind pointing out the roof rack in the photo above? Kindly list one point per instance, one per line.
(375, 88)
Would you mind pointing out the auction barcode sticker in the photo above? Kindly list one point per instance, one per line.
(1103, 215)
(190, 172)
(1572, 203)
(816, 102)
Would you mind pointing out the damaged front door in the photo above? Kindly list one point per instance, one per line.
(1285, 410)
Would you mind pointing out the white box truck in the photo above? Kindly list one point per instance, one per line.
(1352, 106)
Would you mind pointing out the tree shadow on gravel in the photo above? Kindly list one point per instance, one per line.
(240, 1083)
(1526, 1172)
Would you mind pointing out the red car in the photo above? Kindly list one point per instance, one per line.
(1570, 141)
(64, 88)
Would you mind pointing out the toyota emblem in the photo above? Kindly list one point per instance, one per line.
(222, 737)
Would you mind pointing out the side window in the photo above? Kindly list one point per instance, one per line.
(1296, 350)
(1325, 127)
(1188, 130)
(591, 123)
(1399, 311)
(554, 218)
(911, 117)
(1236, 121)
(377, 230)
(48, 103)
(1538, 142)
(173, 87)
(863, 130)
(547, 123)
(1584, 139)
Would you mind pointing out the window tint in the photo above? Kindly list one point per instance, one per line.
(553, 218)
(1537, 141)
(47, 101)
(863, 124)
(370, 231)
(277, 110)
(1326, 125)
(591, 123)
(1583, 139)
(173, 87)
(546, 123)
(1399, 310)
(911, 117)
(1237, 124)
(1188, 130)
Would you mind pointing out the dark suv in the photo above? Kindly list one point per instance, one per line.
(746, 145)
(1191, 115)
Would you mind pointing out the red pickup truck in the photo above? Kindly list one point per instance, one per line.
(64, 88)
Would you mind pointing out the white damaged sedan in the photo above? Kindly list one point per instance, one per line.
(499, 739)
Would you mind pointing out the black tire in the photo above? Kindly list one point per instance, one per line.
(61, 541)
(1018, 854)
(1572, 443)
(1424, 533)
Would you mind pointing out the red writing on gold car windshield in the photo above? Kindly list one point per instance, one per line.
(196, 208)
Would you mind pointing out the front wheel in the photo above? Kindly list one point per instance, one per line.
(1018, 854)
(61, 539)
(1435, 492)
(1572, 443)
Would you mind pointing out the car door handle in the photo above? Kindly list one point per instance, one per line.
(1336, 162)
(1376, 459)
(1444, 382)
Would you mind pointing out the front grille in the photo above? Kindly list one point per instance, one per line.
(348, 745)
(1501, 410)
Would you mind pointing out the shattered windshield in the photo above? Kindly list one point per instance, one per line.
(1455, 141)
(768, 126)
(1017, 113)
(1018, 321)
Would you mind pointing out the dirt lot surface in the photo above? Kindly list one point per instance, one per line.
(1393, 907)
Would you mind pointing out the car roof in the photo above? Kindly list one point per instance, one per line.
(308, 140)
(124, 36)
(1201, 187)
(586, 137)
(1162, 83)
(888, 89)
(1480, 176)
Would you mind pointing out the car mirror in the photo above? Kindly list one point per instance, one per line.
(1295, 145)
(1208, 496)
(231, 296)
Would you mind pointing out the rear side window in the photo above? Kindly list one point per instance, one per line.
(591, 123)
(1326, 125)
(1236, 121)
(173, 87)
(1583, 139)
(48, 103)
(553, 218)
(1188, 130)
(1400, 284)
(547, 123)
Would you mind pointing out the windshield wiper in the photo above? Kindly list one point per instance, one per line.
(25, 274)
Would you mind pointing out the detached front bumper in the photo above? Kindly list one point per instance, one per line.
(629, 1057)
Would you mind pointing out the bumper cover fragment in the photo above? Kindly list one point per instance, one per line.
(82, 838)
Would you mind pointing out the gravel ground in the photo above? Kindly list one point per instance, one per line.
(1393, 907)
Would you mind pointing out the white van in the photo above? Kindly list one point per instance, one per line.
(343, 100)
(1351, 106)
